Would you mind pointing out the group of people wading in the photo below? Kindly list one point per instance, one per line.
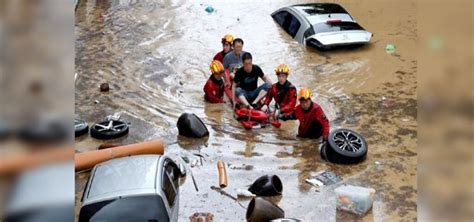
(244, 76)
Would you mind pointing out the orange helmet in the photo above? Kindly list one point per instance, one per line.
(227, 39)
(304, 93)
(216, 66)
(282, 68)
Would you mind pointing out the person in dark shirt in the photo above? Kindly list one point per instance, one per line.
(246, 81)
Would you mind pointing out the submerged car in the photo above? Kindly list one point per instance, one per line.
(321, 25)
(136, 188)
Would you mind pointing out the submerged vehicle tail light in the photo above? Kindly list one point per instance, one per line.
(333, 21)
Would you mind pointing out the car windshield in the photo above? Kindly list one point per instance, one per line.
(335, 27)
(138, 208)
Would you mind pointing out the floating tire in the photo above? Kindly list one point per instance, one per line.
(80, 127)
(344, 146)
(109, 129)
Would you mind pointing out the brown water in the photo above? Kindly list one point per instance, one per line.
(155, 55)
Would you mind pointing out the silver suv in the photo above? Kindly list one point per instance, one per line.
(135, 188)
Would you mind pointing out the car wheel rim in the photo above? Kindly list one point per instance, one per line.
(112, 126)
(347, 141)
(78, 124)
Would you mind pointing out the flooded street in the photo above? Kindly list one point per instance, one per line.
(155, 56)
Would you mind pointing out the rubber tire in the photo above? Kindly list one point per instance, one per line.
(336, 155)
(109, 135)
(47, 132)
(322, 152)
(5, 130)
(80, 128)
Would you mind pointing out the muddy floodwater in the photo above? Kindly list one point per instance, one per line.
(155, 56)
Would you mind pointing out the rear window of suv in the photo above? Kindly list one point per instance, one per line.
(335, 27)
(126, 209)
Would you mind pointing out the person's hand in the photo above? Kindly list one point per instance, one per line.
(227, 84)
(325, 141)
(277, 113)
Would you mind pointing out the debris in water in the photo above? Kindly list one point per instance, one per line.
(209, 9)
(36, 87)
(104, 87)
(244, 193)
(354, 199)
(185, 158)
(194, 162)
(201, 217)
(390, 48)
(194, 180)
(323, 179)
(314, 182)
(267, 185)
(223, 192)
(222, 174)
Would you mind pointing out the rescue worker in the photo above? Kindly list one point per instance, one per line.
(246, 81)
(214, 87)
(284, 94)
(227, 41)
(313, 122)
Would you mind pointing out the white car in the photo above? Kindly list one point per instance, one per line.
(135, 188)
(321, 25)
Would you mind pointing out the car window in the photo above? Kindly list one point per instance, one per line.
(170, 181)
(288, 22)
(309, 32)
(280, 17)
(294, 25)
(335, 27)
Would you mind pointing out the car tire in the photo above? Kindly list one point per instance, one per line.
(80, 127)
(118, 129)
(345, 146)
(44, 132)
(322, 151)
(5, 130)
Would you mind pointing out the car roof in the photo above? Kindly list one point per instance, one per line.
(124, 176)
(321, 12)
